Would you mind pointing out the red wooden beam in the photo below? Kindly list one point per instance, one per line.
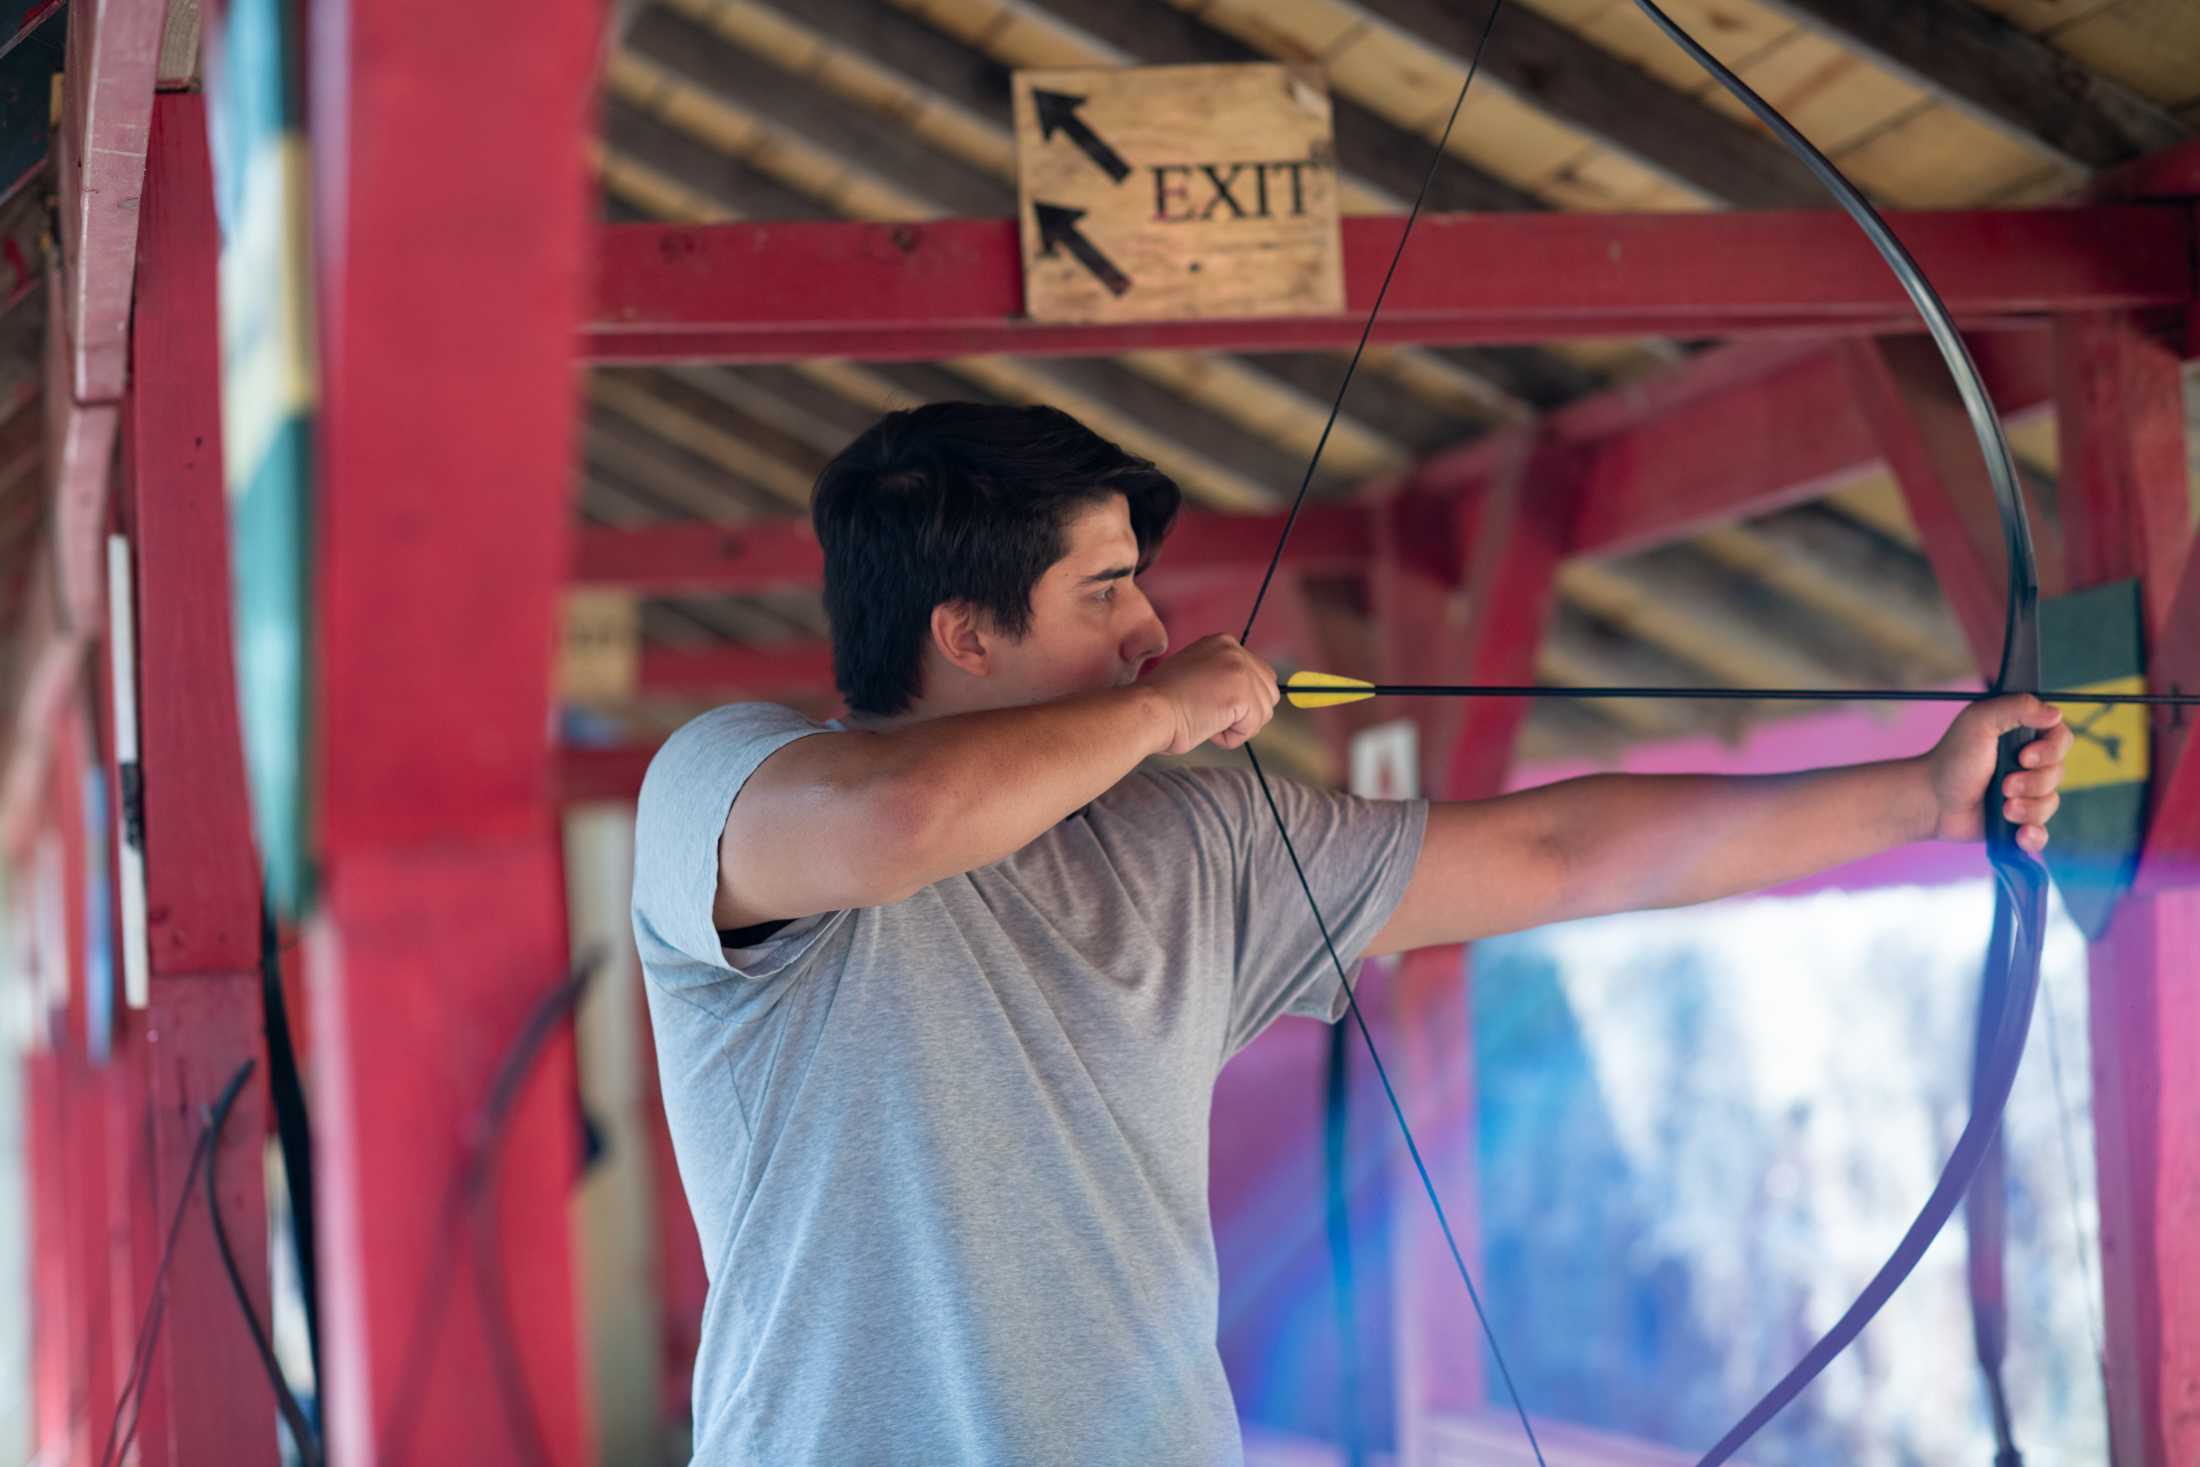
(80, 446)
(202, 884)
(776, 555)
(782, 290)
(610, 773)
(446, 435)
(2173, 173)
(697, 559)
(1740, 431)
(107, 108)
(729, 669)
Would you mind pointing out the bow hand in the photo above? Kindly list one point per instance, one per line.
(2008, 751)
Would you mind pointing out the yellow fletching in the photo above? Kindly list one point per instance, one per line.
(1325, 690)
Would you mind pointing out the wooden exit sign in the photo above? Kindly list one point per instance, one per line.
(1167, 192)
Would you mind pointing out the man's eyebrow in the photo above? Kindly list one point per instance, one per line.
(1112, 573)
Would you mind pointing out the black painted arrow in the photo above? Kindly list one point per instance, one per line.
(1058, 226)
(1058, 113)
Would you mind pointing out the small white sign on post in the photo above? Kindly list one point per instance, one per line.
(1172, 192)
(1386, 761)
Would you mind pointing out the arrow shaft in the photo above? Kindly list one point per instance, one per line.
(1744, 695)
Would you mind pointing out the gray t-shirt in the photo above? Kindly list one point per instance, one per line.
(948, 1158)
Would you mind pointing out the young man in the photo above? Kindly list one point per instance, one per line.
(940, 994)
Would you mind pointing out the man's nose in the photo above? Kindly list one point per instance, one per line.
(1148, 639)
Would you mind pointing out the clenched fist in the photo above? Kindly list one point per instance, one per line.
(1215, 689)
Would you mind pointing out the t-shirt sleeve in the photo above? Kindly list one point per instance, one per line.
(1358, 855)
(680, 815)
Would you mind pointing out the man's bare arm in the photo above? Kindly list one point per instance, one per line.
(864, 819)
(1625, 843)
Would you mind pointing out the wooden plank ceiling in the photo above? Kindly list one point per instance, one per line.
(762, 109)
(769, 109)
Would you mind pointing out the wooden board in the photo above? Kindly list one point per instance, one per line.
(1174, 192)
(599, 647)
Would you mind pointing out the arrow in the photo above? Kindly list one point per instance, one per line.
(1329, 690)
(1058, 226)
(1058, 113)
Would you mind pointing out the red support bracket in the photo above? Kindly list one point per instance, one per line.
(1902, 389)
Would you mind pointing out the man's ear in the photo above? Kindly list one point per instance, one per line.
(961, 635)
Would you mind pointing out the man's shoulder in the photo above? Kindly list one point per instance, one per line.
(723, 737)
(1202, 794)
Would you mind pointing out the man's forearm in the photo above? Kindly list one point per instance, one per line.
(1631, 842)
(984, 785)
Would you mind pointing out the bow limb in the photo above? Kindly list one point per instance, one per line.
(2021, 881)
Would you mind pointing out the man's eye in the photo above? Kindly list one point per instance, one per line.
(1107, 592)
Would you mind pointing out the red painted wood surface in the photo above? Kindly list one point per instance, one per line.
(89, 1302)
(2173, 173)
(202, 889)
(2146, 1116)
(799, 667)
(426, 962)
(2173, 842)
(203, 894)
(777, 555)
(779, 290)
(1741, 430)
(2121, 416)
(2124, 496)
(455, 219)
(45, 1147)
(107, 105)
(80, 445)
(587, 774)
(1903, 391)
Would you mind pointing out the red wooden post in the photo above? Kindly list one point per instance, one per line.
(1510, 539)
(2120, 404)
(456, 222)
(83, 1312)
(2173, 842)
(2126, 515)
(207, 1395)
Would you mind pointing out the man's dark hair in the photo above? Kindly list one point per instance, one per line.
(958, 501)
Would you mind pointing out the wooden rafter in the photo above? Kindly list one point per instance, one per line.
(1620, 106)
(2010, 80)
